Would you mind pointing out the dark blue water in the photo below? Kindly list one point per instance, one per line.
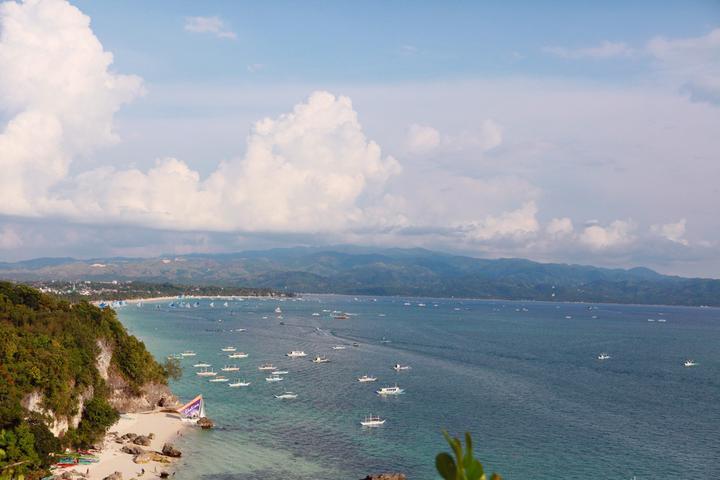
(521, 377)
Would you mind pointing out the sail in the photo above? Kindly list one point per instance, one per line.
(194, 409)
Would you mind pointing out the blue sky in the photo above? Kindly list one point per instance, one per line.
(558, 131)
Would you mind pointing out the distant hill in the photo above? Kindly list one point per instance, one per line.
(368, 271)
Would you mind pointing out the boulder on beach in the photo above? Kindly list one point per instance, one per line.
(164, 474)
(114, 476)
(129, 436)
(142, 440)
(386, 476)
(132, 449)
(170, 450)
(205, 423)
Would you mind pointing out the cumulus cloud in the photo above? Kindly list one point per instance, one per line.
(559, 227)
(615, 234)
(675, 232)
(212, 25)
(423, 139)
(516, 224)
(606, 49)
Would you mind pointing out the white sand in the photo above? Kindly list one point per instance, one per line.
(165, 426)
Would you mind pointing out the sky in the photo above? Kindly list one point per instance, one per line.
(575, 132)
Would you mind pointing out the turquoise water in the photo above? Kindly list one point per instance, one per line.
(522, 377)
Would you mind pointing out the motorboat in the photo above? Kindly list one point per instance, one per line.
(238, 355)
(400, 368)
(286, 396)
(366, 378)
(321, 359)
(266, 366)
(603, 356)
(390, 390)
(280, 372)
(339, 347)
(202, 365)
(188, 353)
(315, 314)
(342, 316)
(690, 363)
(218, 379)
(296, 354)
(206, 373)
(274, 378)
(372, 421)
(239, 383)
(228, 349)
(230, 368)
(278, 310)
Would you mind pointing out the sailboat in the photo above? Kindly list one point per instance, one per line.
(193, 410)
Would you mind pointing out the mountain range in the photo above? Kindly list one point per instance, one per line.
(372, 271)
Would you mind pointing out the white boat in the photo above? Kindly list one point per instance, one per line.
(230, 368)
(206, 373)
(212, 304)
(202, 365)
(390, 390)
(277, 310)
(188, 353)
(367, 378)
(339, 347)
(385, 340)
(315, 314)
(239, 383)
(372, 421)
(662, 320)
(266, 366)
(228, 349)
(280, 372)
(238, 355)
(400, 368)
(296, 354)
(225, 304)
(287, 396)
(274, 378)
(690, 363)
(321, 359)
(218, 379)
(603, 356)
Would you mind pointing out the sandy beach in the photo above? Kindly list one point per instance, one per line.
(165, 426)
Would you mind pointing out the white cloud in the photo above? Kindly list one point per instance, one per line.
(606, 49)
(616, 234)
(559, 227)
(675, 232)
(213, 25)
(515, 224)
(9, 239)
(422, 138)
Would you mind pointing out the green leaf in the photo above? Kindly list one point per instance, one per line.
(474, 470)
(446, 466)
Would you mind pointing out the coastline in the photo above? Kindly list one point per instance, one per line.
(165, 428)
(136, 300)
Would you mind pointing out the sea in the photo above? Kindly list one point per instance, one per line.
(523, 378)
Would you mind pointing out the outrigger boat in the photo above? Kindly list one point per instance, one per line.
(390, 390)
(296, 354)
(266, 366)
(230, 368)
(239, 383)
(367, 378)
(238, 355)
(372, 421)
(321, 359)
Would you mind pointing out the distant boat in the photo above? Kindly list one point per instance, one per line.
(218, 379)
(278, 310)
(280, 372)
(690, 363)
(315, 314)
(206, 373)
(225, 304)
(229, 349)
(230, 368)
(372, 421)
(603, 356)
(339, 347)
(266, 366)
(274, 378)
(239, 383)
(202, 365)
(212, 304)
(342, 316)
(188, 353)
(238, 355)
(390, 390)
(296, 354)
(661, 320)
(400, 368)
(651, 319)
(321, 359)
(367, 378)
(407, 304)
(384, 340)
(287, 396)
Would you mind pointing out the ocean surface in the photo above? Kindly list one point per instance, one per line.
(522, 377)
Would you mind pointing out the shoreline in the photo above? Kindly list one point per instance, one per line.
(136, 300)
(165, 427)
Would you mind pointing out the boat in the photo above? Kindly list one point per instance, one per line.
(225, 304)
(390, 390)
(228, 349)
(267, 366)
(662, 320)
(218, 379)
(212, 304)
(296, 354)
(321, 359)
(230, 368)
(339, 347)
(273, 378)
(603, 356)
(342, 316)
(356, 344)
(367, 378)
(238, 355)
(315, 314)
(372, 421)
(202, 365)
(280, 372)
(206, 373)
(175, 356)
(384, 340)
(193, 410)
(400, 368)
(239, 383)
(278, 310)
(287, 396)
(690, 363)
(188, 353)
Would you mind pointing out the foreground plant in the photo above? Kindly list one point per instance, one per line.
(464, 466)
